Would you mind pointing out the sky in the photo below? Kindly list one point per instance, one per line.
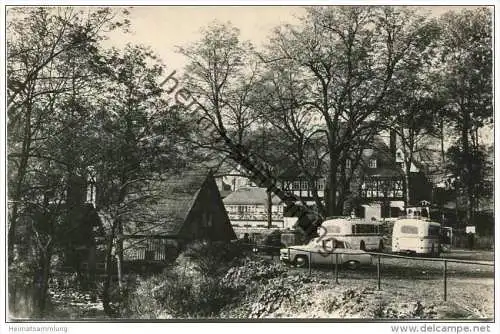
(165, 27)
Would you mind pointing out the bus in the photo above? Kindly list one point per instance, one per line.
(359, 233)
(416, 236)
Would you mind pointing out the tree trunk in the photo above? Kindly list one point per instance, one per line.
(331, 205)
(21, 173)
(342, 186)
(108, 272)
(42, 282)
(443, 153)
(45, 280)
(119, 255)
(269, 209)
(468, 165)
(407, 177)
(92, 272)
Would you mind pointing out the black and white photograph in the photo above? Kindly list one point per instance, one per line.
(249, 163)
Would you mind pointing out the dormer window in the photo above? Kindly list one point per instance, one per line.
(372, 163)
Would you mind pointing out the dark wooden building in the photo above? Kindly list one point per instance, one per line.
(190, 209)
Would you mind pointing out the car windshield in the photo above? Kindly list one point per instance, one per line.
(340, 244)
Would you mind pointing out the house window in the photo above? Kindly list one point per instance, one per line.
(296, 185)
(320, 184)
(398, 189)
(303, 185)
(348, 164)
(277, 209)
(372, 163)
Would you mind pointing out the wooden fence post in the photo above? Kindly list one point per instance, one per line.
(309, 262)
(378, 271)
(337, 268)
(444, 279)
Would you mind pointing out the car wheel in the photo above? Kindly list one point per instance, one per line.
(362, 245)
(352, 265)
(301, 261)
(381, 246)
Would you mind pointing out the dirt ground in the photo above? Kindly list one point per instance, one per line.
(318, 296)
(410, 289)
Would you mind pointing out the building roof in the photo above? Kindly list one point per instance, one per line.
(178, 195)
(386, 163)
(174, 198)
(249, 196)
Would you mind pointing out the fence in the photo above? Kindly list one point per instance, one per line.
(336, 262)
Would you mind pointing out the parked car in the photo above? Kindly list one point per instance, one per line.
(322, 251)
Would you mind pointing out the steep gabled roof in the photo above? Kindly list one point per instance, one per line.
(178, 195)
(170, 205)
(386, 163)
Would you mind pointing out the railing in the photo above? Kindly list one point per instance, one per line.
(378, 256)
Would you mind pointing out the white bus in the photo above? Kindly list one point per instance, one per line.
(359, 233)
(416, 236)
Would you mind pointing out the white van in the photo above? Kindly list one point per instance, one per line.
(416, 236)
(359, 233)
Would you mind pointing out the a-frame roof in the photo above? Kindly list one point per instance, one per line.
(173, 199)
(178, 196)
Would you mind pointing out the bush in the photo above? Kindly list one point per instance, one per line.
(209, 259)
(143, 302)
(192, 287)
(173, 295)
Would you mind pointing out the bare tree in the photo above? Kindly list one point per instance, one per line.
(346, 57)
(415, 103)
(45, 48)
(466, 71)
(136, 144)
(220, 75)
(48, 78)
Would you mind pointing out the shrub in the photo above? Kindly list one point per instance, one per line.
(143, 302)
(210, 259)
(192, 287)
(174, 295)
